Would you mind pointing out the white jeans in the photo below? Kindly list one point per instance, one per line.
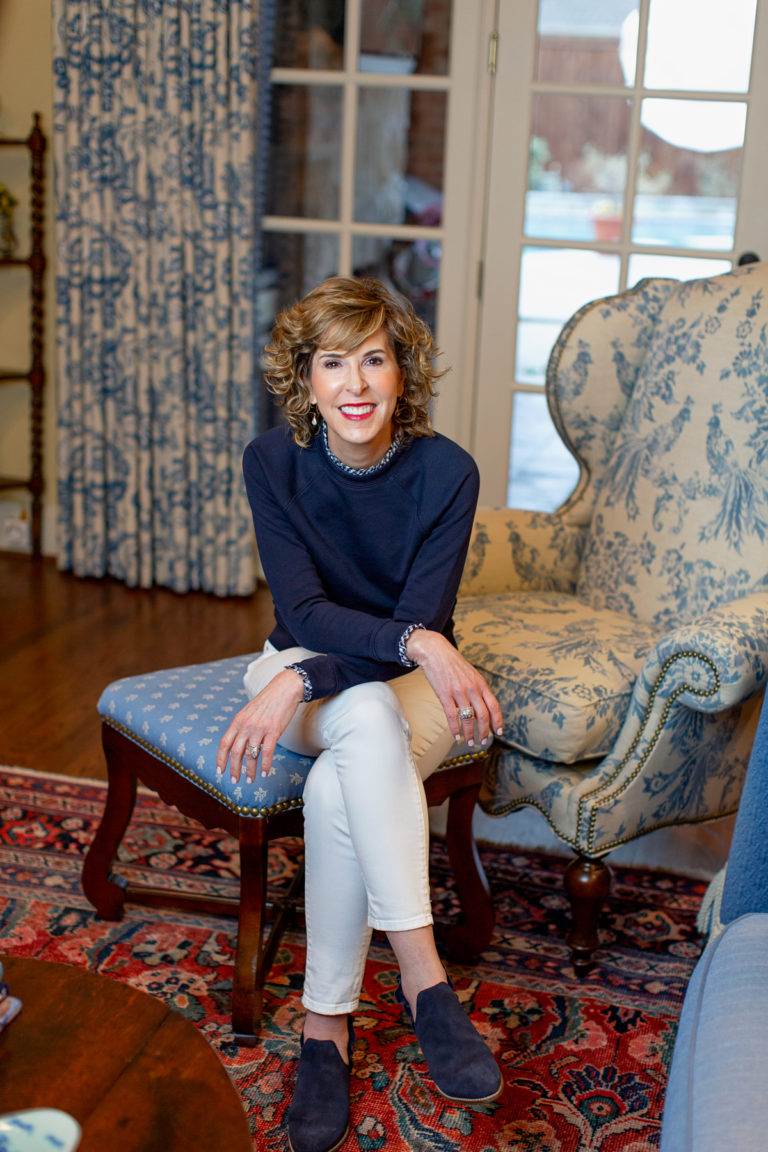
(365, 817)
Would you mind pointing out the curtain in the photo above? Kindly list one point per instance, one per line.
(157, 134)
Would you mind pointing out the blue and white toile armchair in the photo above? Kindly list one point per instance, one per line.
(626, 634)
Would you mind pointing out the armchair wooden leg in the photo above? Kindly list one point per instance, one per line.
(248, 978)
(106, 892)
(587, 884)
(465, 940)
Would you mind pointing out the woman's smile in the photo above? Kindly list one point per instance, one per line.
(357, 411)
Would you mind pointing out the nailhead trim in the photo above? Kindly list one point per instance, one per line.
(591, 818)
(241, 809)
(212, 790)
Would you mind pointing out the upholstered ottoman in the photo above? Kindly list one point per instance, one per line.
(163, 729)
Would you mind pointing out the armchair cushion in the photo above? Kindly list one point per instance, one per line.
(563, 672)
(512, 550)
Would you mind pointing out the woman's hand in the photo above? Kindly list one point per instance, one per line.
(260, 724)
(457, 684)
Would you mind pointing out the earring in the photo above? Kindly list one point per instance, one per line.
(313, 417)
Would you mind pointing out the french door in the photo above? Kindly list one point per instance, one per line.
(374, 129)
(626, 141)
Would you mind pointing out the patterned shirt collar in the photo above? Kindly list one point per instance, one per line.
(359, 473)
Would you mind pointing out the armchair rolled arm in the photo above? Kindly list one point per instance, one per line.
(715, 661)
(512, 550)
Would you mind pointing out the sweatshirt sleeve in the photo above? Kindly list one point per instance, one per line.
(358, 646)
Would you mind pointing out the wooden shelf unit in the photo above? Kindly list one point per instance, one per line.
(35, 376)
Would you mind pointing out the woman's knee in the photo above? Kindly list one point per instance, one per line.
(370, 712)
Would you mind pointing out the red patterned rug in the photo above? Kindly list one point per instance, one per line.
(585, 1063)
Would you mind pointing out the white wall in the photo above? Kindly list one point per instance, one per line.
(26, 86)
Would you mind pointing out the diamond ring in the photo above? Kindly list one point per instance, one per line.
(466, 713)
(253, 750)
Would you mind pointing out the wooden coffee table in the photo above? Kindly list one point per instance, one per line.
(135, 1075)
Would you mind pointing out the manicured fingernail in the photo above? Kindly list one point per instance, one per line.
(471, 743)
(499, 731)
(484, 740)
(457, 738)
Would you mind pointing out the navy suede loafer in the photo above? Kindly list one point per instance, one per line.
(318, 1118)
(457, 1057)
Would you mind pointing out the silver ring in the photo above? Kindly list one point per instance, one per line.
(466, 713)
(253, 750)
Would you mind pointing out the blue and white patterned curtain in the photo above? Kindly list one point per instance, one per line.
(156, 138)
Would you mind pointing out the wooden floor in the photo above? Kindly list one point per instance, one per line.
(64, 639)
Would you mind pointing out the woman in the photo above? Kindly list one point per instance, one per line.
(363, 516)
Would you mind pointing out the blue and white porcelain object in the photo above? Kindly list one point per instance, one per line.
(39, 1130)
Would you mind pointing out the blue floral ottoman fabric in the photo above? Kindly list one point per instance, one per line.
(180, 714)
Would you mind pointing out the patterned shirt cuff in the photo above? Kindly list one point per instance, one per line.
(402, 643)
(307, 682)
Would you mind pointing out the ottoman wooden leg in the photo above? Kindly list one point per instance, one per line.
(249, 975)
(105, 892)
(465, 940)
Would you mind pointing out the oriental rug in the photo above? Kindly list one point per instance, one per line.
(585, 1062)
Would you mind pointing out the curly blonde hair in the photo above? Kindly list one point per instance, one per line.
(342, 313)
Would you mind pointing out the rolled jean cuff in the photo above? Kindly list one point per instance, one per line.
(422, 921)
(329, 1009)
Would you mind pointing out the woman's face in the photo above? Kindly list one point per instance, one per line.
(356, 393)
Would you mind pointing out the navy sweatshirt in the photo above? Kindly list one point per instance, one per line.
(352, 561)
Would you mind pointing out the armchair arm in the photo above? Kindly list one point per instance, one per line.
(668, 765)
(512, 550)
(712, 663)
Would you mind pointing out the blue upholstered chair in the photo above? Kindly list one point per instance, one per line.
(626, 634)
(163, 729)
(716, 1096)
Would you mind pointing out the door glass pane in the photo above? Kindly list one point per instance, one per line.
(542, 472)
(305, 151)
(309, 34)
(292, 264)
(676, 267)
(700, 45)
(405, 36)
(554, 282)
(580, 43)
(688, 173)
(411, 267)
(399, 157)
(577, 167)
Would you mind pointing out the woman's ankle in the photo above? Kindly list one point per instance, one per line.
(414, 983)
(318, 1026)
